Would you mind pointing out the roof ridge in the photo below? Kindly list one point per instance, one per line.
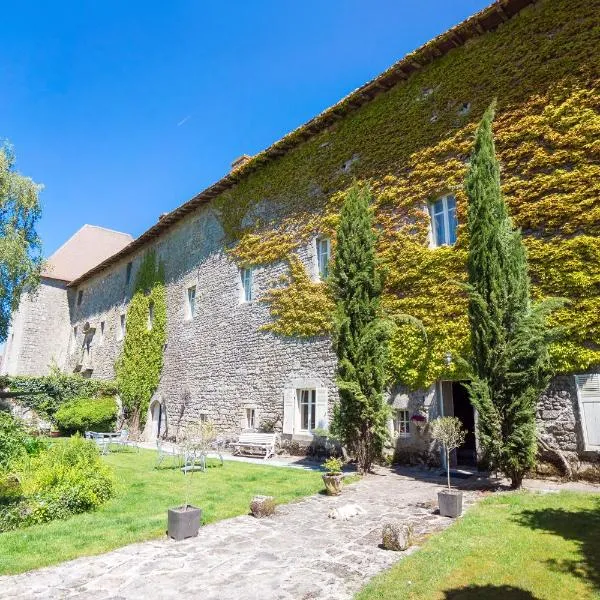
(477, 24)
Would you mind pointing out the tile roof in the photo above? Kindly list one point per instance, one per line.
(90, 246)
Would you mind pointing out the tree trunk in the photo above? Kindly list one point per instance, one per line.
(516, 480)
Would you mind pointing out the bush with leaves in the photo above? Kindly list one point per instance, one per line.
(67, 478)
(49, 392)
(13, 439)
(87, 414)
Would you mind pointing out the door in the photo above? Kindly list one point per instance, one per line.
(588, 393)
(156, 419)
(463, 409)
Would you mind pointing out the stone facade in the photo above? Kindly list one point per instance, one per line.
(220, 362)
(39, 331)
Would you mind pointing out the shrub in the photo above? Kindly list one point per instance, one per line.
(333, 465)
(50, 392)
(67, 478)
(87, 414)
(12, 439)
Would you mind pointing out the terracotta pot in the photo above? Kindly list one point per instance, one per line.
(333, 483)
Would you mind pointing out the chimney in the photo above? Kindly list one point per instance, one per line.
(240, 161)
(162, 216)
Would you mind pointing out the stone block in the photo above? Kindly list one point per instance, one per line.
(397, 536)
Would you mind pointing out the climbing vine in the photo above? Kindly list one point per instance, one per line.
(412, 144)
(139, 366)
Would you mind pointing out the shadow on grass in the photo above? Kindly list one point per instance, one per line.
(488, 592)
(581, 526)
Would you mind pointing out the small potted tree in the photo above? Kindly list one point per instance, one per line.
(184, 521)
(448, 432)
(333, 477)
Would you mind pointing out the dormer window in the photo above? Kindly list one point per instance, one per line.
(443, 221)
(323, 254)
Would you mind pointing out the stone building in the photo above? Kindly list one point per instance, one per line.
(247, 358)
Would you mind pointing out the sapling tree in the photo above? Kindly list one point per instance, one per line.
(449, 432)
(197, 440)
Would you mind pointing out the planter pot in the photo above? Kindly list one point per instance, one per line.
(450, 502)
(183, 522)
(333, 483)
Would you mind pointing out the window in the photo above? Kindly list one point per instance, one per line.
(191, 302)
(443, 221)
(401, 423)
(250, 418)
(203, 418)
(74, 339)
(150, 315)
(588, 397)
(323, 254)
(307, 403)
(128, 273)
(121, 326)
(247, 280)
(79, 297)
(101, 337)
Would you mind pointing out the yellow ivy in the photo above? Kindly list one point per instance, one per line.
(412, 145)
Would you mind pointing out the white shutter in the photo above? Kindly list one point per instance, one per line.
(322, 416)
(289, 408)
(243, 420)
(588, 387)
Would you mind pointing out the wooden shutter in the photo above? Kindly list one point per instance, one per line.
(289, 408)
(588, 387)
(322, 409)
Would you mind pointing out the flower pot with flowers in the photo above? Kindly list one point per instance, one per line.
(333, 478)
(448, 432)
(419, 420)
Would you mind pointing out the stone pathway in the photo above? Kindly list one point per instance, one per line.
(297, 554)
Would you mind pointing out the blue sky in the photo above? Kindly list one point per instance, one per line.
(124, 110)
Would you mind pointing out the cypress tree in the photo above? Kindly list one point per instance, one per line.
(510, 338)
(361, 334)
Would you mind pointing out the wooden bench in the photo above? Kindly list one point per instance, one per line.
(256, 443)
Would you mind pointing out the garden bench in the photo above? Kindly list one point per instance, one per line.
(256, 442)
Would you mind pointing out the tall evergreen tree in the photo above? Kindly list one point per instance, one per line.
(509, 336)
(360, 333)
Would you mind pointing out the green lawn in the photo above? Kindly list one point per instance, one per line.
(516, 546)
(139, 509)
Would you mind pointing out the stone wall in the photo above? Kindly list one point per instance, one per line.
(219, 362)
(39, 331)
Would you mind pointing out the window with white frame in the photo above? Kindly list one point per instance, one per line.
(443, 221)
(250, 418)
(402, 423)
(323, 255)
(247, 278)
(307, 405)
(191, 302)
(122, 325)
(588, 396)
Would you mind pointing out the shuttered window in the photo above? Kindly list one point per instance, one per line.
(588, 392)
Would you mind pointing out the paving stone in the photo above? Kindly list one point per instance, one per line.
(298, 553)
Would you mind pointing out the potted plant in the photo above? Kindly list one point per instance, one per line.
(419, 420)
(184, 521)
(448, 431)
(333, 477)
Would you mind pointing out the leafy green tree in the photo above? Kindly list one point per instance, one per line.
(139, 366)
(20, 246)
(361, 334)
(510, 338)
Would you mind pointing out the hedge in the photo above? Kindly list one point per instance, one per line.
(87, 414)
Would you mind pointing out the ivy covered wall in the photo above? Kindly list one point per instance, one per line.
(412, 144)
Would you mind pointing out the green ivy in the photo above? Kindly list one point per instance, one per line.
(139, 366)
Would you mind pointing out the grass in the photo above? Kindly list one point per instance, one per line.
(139, 509)
(514, 546)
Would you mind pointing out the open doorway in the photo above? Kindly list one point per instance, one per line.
(157, 424)
(463, 409)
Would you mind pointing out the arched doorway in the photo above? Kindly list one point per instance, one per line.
(158, 418)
